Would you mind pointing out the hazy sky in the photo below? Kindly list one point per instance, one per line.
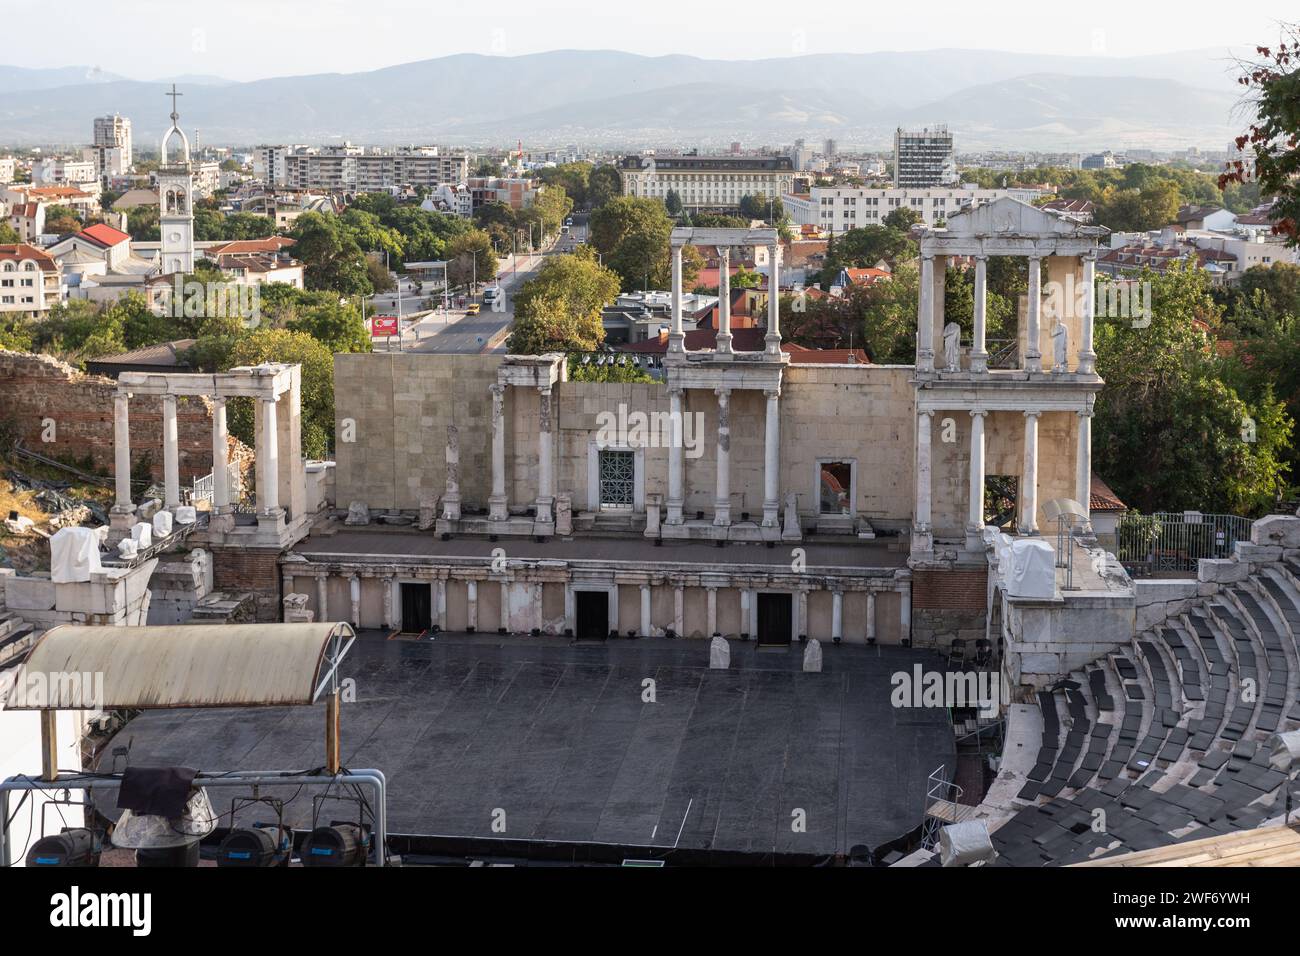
(251, 39)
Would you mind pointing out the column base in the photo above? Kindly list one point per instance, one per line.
(674, 513)
(974, 539)
(922, 540)
(121, 517)
(1033, 363)
(772, 344)
(771, 515)
(498, 509)
(721, 516)
(979, 363)
(723, 347)
(1087, 363)
(925, 360)
(451, 507)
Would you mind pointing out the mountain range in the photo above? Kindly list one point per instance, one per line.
(597, 97)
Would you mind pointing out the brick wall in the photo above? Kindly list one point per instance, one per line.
(34, 388)
(252, 571)
(962, 589)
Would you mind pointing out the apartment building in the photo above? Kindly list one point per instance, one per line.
(706, 182)
(110, 149)
(29, 280)
(924, 158)
(837, 209)
(418, 167)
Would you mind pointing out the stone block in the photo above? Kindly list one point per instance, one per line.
(812, 657)
(1221, 570)
(1276, 530)
(719, 653)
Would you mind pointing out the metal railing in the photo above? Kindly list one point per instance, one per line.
(1003, 353)
(203, 485)
(1169, 541)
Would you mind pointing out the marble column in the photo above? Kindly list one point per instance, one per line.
(123, 502)
(979, 356)
(354, 596)
(975, 493)
(922, 530)
(938, 306)
(471, 599)
(1083, 471)
(722, 500)
(871, 615)
(772, 461)
(675, 460)
(440, 608)
(801, 625)
(1034, 317)
(390, 621)
(1029, 477)
(712, 611)
(925, 316)
(676, 337)
(905, 612)
(746, 602)
(505, 607)
(679, 611)
(837, 615)
(645, 610)
(268, 462)
(772, 340)
(1087, 357)
(497, 505)
(322, 598)
(724, 301)
(220, 458)
(545, 462)
(451, 496)
(171, 454)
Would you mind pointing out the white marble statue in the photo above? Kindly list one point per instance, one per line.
(1060, 345)
(952, 346)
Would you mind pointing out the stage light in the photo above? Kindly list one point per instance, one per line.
(342, 844)
(254, 846)
(74, 847)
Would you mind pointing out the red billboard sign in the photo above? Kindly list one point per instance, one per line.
(383, 325)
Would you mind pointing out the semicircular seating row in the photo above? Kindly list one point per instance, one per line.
(1162, 742)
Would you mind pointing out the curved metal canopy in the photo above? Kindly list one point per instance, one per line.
(75, 667)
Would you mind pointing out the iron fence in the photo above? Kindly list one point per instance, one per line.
(1174, 541)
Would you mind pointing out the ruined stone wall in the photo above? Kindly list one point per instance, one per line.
(42, 397)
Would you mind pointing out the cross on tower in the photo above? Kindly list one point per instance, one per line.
(173, 94)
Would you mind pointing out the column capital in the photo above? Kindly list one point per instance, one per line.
(723, 392)
(1084, 412)
(1032, 257)
(978, 412)
(497, 389)
(1032, 412)
(927, 257)
(927, 412)
(675, 391)
(544, 390)
(772, 393)
(981, 257)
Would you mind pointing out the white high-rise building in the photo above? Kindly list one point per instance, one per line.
(111, 149)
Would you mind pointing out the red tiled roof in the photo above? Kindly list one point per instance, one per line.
(1101, 498)
(245, 246)
(23, 250)
(104, 234)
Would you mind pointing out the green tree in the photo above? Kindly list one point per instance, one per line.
(603, 184)
(559, 308)
(8, 235)
(632, 234)
(285, 345)
(1274, 137)
(571, 177)
(673, 203)
(471, 258)
(1170, 431)
(330, 255)
(902, 219)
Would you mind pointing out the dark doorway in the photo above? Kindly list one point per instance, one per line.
(775, 618)
(416, 608)
(592, 609)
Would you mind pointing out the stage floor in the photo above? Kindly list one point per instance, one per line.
(556, 741)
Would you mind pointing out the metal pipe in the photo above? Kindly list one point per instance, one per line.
(49, 744)
(374, 779)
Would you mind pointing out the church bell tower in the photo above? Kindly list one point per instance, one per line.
(175, 194)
